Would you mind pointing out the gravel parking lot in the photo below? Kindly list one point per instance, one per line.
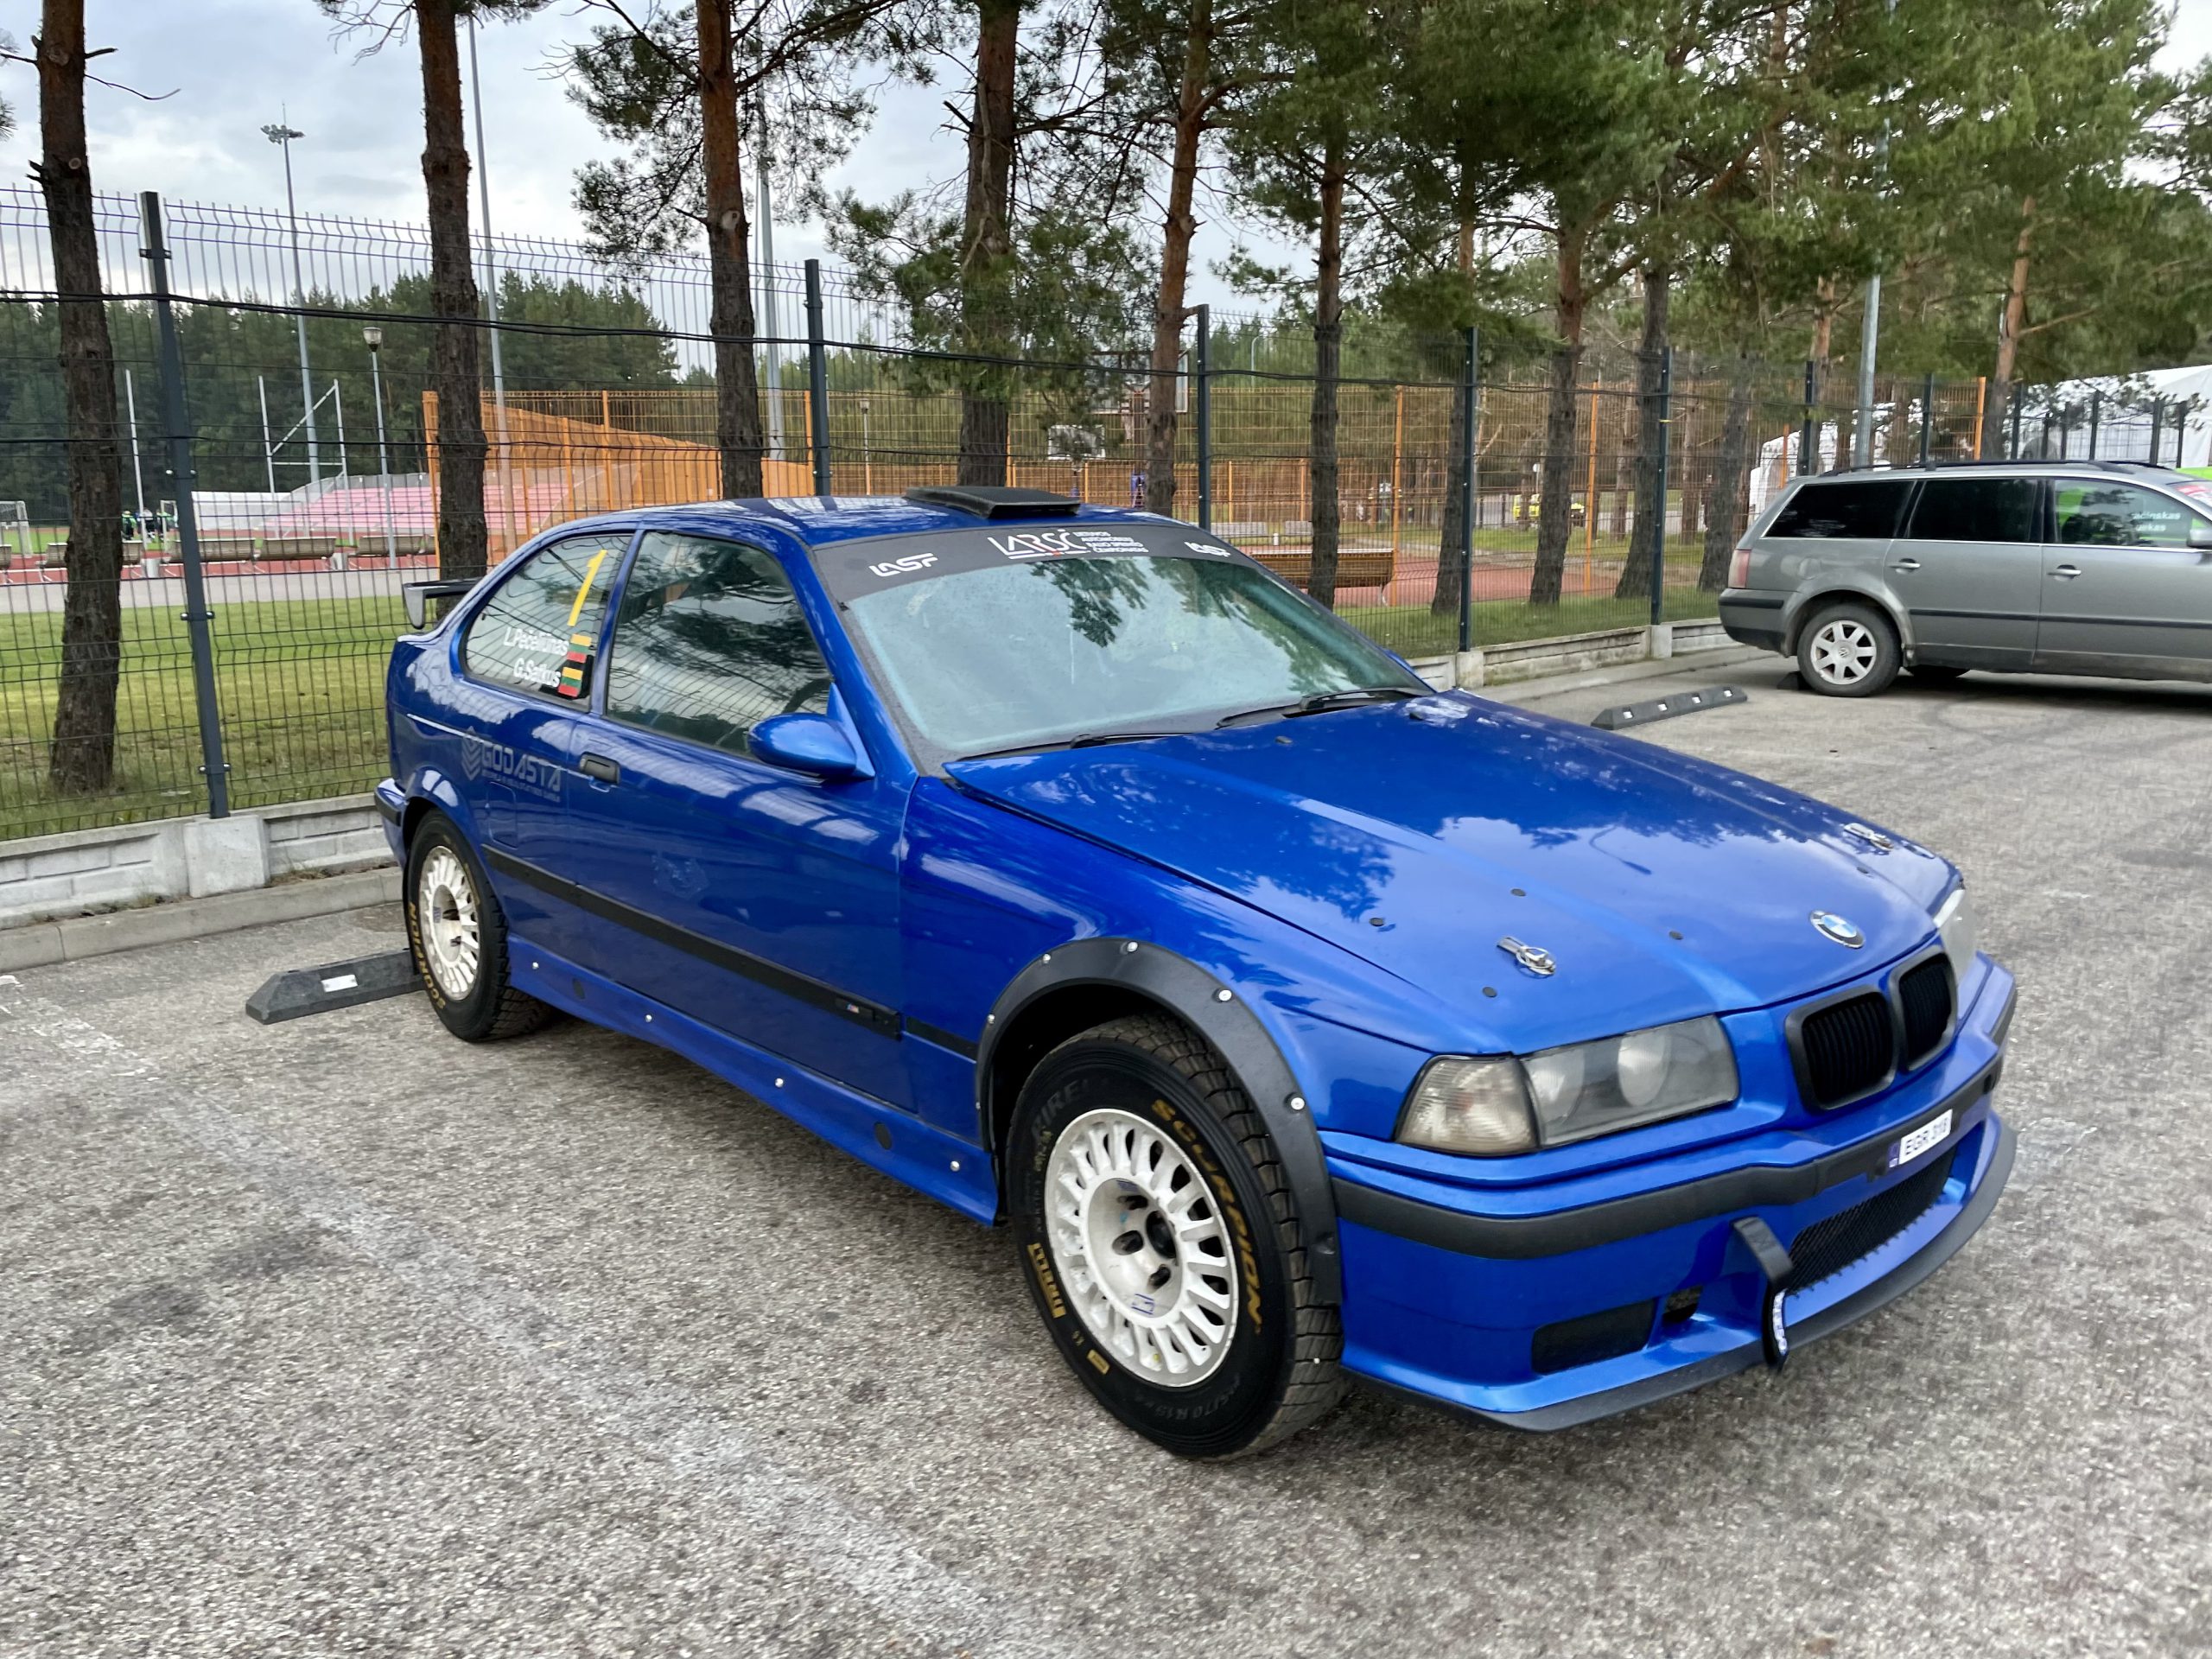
(339, 1337)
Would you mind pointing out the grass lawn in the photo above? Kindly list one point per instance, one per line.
(300, 684)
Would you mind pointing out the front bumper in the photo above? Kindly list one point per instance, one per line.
(1484, 1311)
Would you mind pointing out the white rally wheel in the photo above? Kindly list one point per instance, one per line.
(1136, 1236)
(453, 936)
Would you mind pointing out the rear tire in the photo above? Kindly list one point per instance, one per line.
(459, 937)
(1848, 650)
(1161, 1244)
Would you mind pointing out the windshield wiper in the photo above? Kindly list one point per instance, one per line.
(1080, 741)
(1322, 702)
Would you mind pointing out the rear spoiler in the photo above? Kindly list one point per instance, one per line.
(417, 595)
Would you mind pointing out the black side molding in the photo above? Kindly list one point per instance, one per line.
(800, 987)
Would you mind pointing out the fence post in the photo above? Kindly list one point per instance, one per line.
(1470, 390)
(817, 380)
(2097, 409)
(1659, 529)
(1806, 458)
(196, 614)
(1202, 412)
(2019, 402)
(2158, 425)
(1926, 414)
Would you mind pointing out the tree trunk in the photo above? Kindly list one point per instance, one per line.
(1445, 600)
(1650, 521)
(2012, 323)
(986, 242)
(455, 374)
(729, 260)
(83, 757)
(1175, 261)
(1731, 472)
(1555, 502)
(1328, 349)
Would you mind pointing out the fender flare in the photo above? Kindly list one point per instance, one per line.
(1219, 1015)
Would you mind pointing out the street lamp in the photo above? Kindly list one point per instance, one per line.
(374, 336)
(280, 135)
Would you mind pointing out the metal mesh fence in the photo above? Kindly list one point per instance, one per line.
(307, 528)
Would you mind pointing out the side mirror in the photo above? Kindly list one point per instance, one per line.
(417, 595)
(2200, 534)
(813, 744)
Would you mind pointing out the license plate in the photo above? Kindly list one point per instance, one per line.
(1928, 1134)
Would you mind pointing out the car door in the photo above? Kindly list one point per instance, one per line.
(1968, 570)
(761, 902)
(526, 659)
(2124, 592)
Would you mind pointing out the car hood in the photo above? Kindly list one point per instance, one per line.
(1417, 836)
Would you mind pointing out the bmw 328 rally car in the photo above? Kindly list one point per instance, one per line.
(1298, 1019)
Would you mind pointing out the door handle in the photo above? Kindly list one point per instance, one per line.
(598, 767)
(2065, 572)
(1906, 565)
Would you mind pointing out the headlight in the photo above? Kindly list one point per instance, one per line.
(1961, 933)
(1477, 1106)
(1620, 1082)
(1496, 1105)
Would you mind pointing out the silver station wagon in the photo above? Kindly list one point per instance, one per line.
(2044, 568)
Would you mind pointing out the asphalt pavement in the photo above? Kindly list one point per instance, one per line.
(338, 1336)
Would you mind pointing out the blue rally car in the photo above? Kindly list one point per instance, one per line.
(1298, 1019)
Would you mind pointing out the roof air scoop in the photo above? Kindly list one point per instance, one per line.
(995, 500)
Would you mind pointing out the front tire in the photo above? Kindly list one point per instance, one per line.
(1848, 650)
(1161, 1245)
(459, 937)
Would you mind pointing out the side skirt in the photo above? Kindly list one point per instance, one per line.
(951, 1171)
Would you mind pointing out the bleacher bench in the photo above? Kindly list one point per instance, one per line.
(1357, 567)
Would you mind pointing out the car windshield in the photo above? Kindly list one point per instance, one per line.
(1018, 639)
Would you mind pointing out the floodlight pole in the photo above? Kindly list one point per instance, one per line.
(1862, 446)
(491, 290)
(375, 337)
(768, 327)
(281, 134)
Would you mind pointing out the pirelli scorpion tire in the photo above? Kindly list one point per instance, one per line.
(460, 938)
(1161, 1244)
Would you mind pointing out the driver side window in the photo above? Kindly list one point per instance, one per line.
(710, 642)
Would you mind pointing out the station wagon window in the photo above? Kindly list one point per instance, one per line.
(708, 642)
(1976, 510)
(1860, 508)
(526, 635)
(2117, 515)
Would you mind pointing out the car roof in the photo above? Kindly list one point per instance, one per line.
(821, 520)
(2149, 471)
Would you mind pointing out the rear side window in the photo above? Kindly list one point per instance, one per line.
(538, 629)
(1976, 510)
(710, 642)
(2117, 515)
(1860, 508)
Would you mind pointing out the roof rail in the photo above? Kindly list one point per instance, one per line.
(995, 500)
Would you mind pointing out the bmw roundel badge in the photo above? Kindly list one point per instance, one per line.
(1832, 926)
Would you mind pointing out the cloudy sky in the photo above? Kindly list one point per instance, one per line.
(237, 64)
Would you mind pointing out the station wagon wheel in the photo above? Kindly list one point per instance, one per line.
(459, 937)
(1847, 649)
(1162, 1243)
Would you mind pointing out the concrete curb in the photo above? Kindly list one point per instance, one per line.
(1559, 685)
(41, 945)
